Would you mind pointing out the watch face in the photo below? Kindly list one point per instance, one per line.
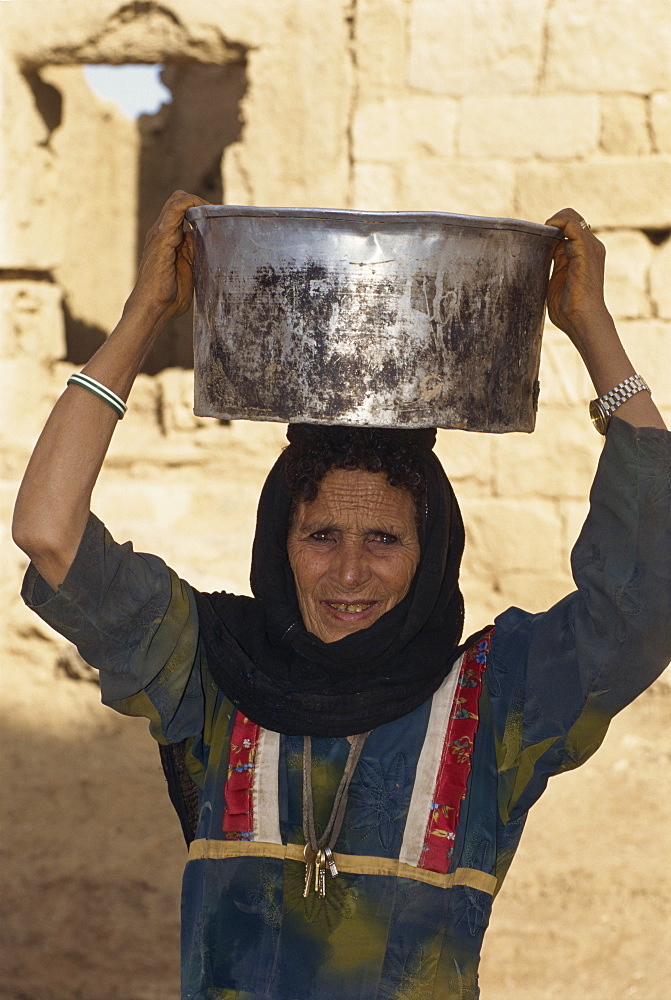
(599, 416)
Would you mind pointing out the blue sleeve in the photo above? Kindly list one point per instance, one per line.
(132, 618)
(558, 678)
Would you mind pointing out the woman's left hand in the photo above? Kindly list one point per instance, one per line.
(576, 305)
(575, 293)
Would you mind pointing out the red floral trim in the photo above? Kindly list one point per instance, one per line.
(238, 821)
(455, 761)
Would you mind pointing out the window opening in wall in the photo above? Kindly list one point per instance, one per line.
(134, 89)
(181, 117)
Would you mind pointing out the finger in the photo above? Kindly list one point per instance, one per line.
(560, 258)
(172, 213)
(184, 200)
(186, 248)
(561, 218)
(572, 224)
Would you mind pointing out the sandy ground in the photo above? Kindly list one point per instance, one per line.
(92, 857)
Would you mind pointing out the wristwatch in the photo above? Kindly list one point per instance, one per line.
(602, 409)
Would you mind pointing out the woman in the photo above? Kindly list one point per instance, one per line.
(364, 779)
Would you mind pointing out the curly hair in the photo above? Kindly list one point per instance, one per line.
(315, 449)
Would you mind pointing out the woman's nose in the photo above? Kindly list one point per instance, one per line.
(351, 568)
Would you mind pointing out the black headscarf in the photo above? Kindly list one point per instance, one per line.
(286, 679)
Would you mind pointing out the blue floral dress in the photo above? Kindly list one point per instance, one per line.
(393, 925)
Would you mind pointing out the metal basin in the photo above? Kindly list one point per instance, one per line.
(386, 319)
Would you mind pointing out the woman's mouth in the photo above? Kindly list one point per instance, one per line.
(350, 612)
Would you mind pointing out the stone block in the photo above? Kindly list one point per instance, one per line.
(534, 592)
(468, 461)
(380, 45)
(506, 536)
(647, 344)
(481, 187)
(234, 175)
(257, 442)
(622, 192)
(27, 394)
(297, 109)
(175, 401)
(404, 128)
(628, 258)
(660, 118)
(30, 193)
(558, 460)
(483, 47)
(141, 433)
(660, 280)
(520, 126)
(482, 599)
(143, 510)
(374, 187)
(620, 46)
(624, 125)
(31, 320)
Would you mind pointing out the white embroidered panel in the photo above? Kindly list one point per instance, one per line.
(427, 768)
(266, 804)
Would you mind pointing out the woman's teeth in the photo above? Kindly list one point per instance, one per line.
(350, 609)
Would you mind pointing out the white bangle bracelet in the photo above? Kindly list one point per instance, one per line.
(99, 390)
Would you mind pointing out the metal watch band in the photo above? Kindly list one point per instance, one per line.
(602, 408)
(627, 388)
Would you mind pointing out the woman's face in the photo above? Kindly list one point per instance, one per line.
(353, 551)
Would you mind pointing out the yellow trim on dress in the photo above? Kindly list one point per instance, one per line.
(219, 850)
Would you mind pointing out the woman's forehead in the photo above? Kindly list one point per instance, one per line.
(347, 495)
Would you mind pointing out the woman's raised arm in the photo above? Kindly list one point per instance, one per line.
(52, 506)
(576, 305)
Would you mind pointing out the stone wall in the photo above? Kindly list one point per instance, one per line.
(493, 107)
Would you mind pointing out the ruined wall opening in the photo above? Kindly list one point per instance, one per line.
(114, 172)
(181, 146)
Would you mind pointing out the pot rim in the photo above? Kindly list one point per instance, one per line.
(336, 215)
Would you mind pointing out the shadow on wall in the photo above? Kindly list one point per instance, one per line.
(82, 339)
(48, 101)
(181, 147)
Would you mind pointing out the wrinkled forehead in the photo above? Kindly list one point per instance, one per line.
(354, 498)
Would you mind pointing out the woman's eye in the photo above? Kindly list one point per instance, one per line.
(320, 536)
(385, 539)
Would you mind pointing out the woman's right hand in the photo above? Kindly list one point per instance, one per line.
(164, 286)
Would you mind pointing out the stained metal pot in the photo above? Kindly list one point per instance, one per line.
(386, 319)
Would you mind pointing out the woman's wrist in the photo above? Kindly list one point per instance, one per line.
(117, 362)
(147, 318)
(596, 338)
(608, 365)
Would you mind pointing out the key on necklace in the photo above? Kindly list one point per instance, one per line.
(310, 856)
(321, 873)
(330, 861)
(318, 868)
